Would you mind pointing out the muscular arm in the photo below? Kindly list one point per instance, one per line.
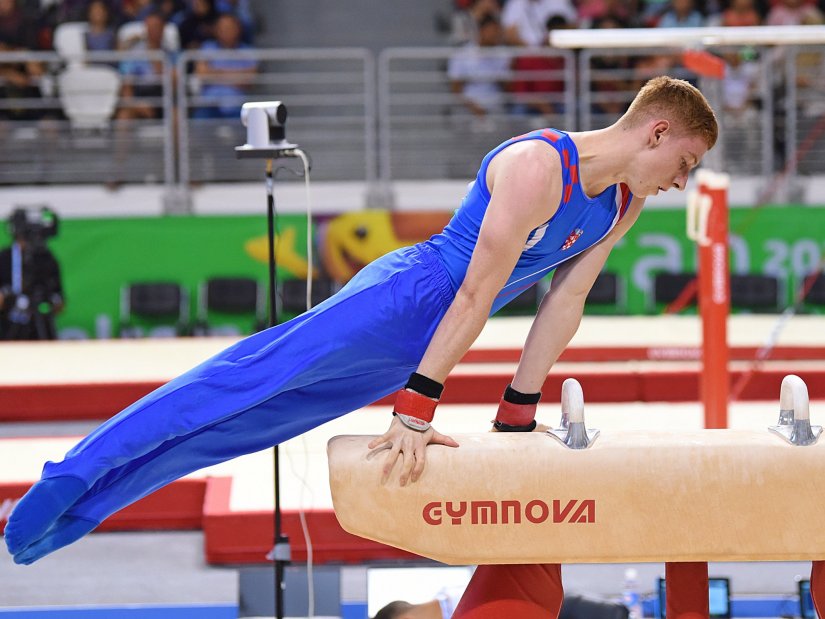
(561, 309)
(525, 185)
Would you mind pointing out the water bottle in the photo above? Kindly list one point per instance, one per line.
(630, 595)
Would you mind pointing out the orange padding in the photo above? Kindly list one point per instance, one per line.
(523, 591)
(415, 405)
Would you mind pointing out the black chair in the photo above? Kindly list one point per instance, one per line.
(154, 309)
(292, 294)
(233, 300)
(605, 290)
(754, 292)
(668, 286)
(583, 607)
(607, 296)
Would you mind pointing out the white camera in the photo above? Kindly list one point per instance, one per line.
(265, 123)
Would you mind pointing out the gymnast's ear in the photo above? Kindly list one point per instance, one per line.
(658, 131)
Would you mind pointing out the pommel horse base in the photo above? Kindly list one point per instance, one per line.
(682, 498)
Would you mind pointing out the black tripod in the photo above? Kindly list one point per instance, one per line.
(265, 121)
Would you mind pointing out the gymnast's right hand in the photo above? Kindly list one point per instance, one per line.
(408, 436)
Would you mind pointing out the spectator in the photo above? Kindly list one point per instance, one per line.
(141, 91)
(142, 78)
(101, 35)
(592, 10)
(610, 98)
(534, 95)
(740, 84)
(18, 80)
(741, 13)
(16, 30)
(71, 10)
(243, 11)
(197, 23)
(682, 14)
(653, 11)
(810, 73)
(225, 79)
(476, 71)
(792, 13)
(135, 10)
(524, 20)
(169, 9)
(468, 13)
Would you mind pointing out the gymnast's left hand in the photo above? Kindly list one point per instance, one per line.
(410, 445)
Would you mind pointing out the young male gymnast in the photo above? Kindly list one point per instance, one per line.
(542, 201)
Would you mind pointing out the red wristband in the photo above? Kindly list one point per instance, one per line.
(515, 414)
(415, 405)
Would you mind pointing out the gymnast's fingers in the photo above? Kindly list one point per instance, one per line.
(410, 453)
(442, 439)
(389, 461)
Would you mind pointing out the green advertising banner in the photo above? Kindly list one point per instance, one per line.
(785, 242)
(99, 256)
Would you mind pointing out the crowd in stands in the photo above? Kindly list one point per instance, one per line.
(478, 27)
(125, 25)
(484, 82)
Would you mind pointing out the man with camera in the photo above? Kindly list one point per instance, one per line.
(31, 293)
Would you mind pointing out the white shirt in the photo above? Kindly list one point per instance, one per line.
(530, 17)
(481, 69)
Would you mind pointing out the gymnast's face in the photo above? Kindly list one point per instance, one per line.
(666, 161)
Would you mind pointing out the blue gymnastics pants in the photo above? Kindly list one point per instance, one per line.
(352, 349)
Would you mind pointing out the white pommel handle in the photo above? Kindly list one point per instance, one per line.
(572, 401)
(793, 395)
(698, 211)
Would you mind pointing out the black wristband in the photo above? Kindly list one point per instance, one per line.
(503, 427)
(517, 397)
(425, 386)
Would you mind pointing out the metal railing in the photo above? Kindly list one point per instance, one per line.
(416, 113)
(70, 120)
(330, 95)
(442, 109)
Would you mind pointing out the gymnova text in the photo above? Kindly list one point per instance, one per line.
(510, 512)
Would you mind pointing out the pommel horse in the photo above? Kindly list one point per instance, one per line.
(573, 495)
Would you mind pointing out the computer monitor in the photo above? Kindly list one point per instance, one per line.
(806, 602)
(718, 598)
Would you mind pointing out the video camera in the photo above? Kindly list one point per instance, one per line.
(31, 290)
(33, 226)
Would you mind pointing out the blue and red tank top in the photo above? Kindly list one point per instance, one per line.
(579, 222)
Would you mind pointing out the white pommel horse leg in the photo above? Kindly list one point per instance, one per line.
(521, 504)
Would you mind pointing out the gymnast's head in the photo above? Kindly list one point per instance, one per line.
(667, 129)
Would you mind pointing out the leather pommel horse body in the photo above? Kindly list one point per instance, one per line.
(708, 495)
(520, 505)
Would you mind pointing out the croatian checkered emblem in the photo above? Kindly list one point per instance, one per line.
(574, 236)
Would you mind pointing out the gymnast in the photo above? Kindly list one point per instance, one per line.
(542, 201)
